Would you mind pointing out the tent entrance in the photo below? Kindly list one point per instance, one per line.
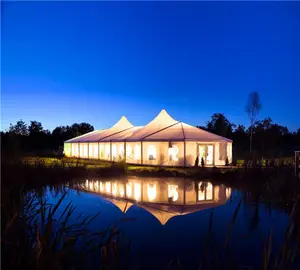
(206, 152)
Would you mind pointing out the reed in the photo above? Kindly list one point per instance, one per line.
(35, 235)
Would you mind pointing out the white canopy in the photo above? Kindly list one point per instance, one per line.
(162, 128)
(122, 125)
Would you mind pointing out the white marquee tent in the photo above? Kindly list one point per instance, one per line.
(164, 141)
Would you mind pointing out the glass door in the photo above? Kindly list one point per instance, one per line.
(207, 153)
(202, 154)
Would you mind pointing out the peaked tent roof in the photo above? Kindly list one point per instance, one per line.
(161, 122)
(163, 213)
(122, 125)
(164, 128)
(123, 205)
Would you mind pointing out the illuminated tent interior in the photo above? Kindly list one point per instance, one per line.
(164, 141)
(163, 199)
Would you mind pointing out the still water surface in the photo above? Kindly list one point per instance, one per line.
(169, 219)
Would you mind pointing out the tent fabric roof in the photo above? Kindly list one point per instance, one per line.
(182, 131)
(121, 136)
(162, 128)
(122, 125)
(163, 213)
(91, 136)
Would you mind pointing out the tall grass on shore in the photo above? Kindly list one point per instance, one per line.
(38, 235)
(35, 235)
(222, 257)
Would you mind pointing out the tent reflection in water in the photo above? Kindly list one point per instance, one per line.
(154, 196)
(164, 141)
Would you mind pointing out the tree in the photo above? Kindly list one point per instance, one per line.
(35, 127)
(19, 129)
(80, 129)
(220, 125)
(85, 128)
(240, 139)
(252, 108)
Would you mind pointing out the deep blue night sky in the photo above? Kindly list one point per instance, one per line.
(66, 62)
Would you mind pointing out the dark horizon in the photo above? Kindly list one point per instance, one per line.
(105, 60)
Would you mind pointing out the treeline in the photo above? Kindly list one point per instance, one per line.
(22, 139)
(269, 140)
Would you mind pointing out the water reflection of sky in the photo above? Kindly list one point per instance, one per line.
(182, 235)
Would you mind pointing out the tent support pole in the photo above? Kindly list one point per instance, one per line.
(78, 150)
(71, 150)
(184, 153)
(110, 151)
(184, 191)
(98, 150)
(88, 150)
(125, 151)
(142, 152)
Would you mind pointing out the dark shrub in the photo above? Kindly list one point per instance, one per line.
(226, 162)
(202, 162)
(197, 162)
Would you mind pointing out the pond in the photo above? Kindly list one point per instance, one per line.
(179, 222)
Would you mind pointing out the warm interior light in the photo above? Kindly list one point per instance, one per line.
(173, 192)
(84, 150)
(128, 151)
(74, 149)
(114, 151)
(101, 187)
(205, 191)
(216, 193)
(228, 192)
(67, 149)
(107, 187)
(151, 152)
(137, 152)
(93, 150)
(86, 184)
(114, 189)
(151, 191)
(121, 190)
(107, 151)
(121, 151)
(209, 191)
(173, 153)
(137, 191)
(101, 151)
(91, 185)
(128, 189)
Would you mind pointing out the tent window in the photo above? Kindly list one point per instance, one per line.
(137, 152)
(151, 191)
(151, 153)
(107, 150)
(101, 151)
(128, 151)
(114, 151)
(228, 192)
(121, 152)
(173, 153)
(223, 148)
(205, 191)
(173, 192)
